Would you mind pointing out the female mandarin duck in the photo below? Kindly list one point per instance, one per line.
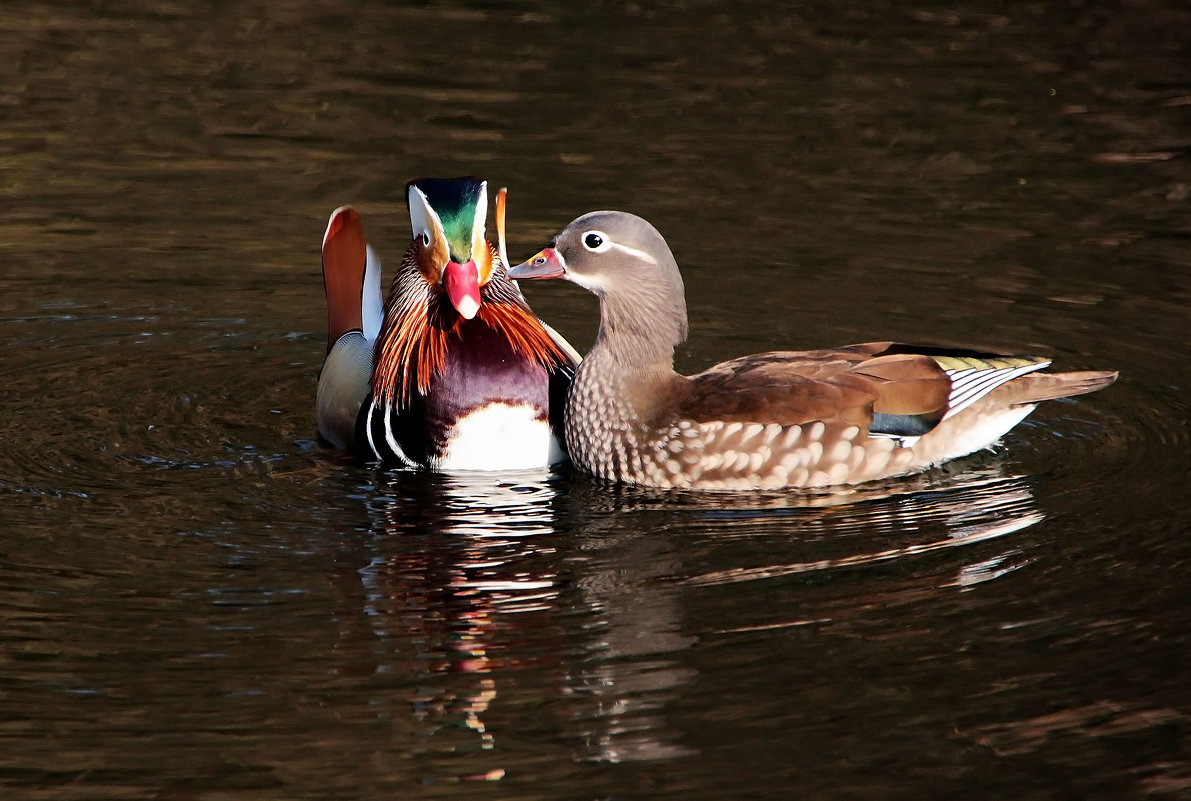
(454, 371)
(772, 420)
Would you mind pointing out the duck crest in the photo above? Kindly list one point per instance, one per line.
(455, 201)
(420, 327)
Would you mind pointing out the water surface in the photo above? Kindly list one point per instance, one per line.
(199, 601)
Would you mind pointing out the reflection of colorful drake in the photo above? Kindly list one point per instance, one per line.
(453, 371)
(447, 605)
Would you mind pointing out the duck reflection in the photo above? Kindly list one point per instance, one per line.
(457, 586)
(476, 587)
(538, 605)
(929, 513)
(630, 666)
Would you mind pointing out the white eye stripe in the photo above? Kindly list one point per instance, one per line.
(639, 254)
(599, 242)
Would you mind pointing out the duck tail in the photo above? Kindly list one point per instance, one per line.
(1038, 387)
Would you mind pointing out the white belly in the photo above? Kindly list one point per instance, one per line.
(500, 437)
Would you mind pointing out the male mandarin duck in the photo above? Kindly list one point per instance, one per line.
(771, 420)
(453, 371)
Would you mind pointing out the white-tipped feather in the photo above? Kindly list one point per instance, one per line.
(330, 220)
(969, 386)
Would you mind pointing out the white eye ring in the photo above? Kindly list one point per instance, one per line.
(425, 237)
(596, 241)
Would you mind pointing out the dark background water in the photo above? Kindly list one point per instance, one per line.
(197, 601)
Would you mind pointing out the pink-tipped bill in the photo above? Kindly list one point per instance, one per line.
(463, 287)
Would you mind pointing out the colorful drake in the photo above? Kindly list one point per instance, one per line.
(453, 371)
(772, 420)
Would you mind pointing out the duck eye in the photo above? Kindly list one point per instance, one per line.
(425, 237)
(596, 241)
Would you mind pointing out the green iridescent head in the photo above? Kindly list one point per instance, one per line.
(449, 247)
(458, 207)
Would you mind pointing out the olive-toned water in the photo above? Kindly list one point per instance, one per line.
(199, 601)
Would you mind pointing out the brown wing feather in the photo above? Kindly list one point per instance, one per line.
(344, 260)
(850, 385)
(907, 384)
(783, 387)
(842, 385)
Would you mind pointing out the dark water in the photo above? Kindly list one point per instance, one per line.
(197, 601)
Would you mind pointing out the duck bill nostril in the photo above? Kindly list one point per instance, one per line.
(547, 263)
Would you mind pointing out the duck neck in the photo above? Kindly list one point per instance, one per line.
(624, 382)
(639, 332)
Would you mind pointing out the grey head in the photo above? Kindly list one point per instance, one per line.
(625, 261)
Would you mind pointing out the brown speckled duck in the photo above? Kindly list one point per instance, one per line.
(771, 420)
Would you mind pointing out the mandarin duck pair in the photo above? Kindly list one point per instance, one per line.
(454, 371)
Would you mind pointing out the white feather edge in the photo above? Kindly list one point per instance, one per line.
(331, 219)
(372, 308)
(562, 343)
(970, 385)
(478, 241)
